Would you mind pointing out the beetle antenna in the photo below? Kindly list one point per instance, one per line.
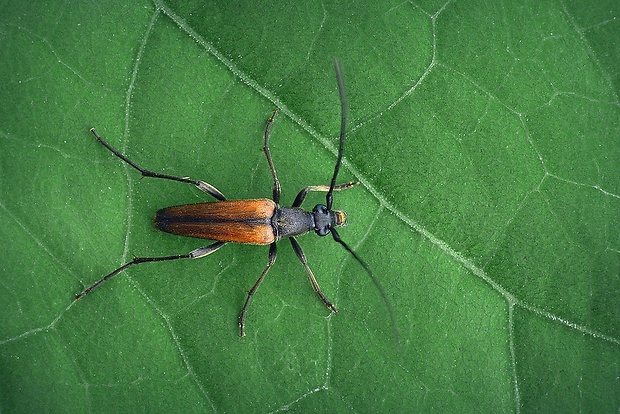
(375, 281)
(344, 108)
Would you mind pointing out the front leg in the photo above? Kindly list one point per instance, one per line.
(324, 188)
(315, 285)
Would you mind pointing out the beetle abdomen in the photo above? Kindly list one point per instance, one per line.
(236, 221)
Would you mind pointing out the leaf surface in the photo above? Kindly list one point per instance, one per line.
(485, 136)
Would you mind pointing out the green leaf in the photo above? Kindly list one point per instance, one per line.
(485, 135)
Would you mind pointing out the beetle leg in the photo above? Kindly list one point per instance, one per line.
(325, 188)
(272, 168)
(315, 285)
(194, 254)
(272, 259)
(202, 185)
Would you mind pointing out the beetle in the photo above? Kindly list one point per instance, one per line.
(259, 221)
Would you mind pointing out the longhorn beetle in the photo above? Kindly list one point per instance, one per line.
(260, 221)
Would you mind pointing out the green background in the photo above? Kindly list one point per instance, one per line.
(485, 135)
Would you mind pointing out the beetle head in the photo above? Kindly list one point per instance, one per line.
(325, 219)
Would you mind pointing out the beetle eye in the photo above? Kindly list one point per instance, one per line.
(322, 231)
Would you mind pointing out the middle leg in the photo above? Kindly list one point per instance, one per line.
(272, 168)
(252, 291)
